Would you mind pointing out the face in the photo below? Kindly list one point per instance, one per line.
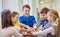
(50, 18)
(26, 12)
(44, 16)
(15, 18)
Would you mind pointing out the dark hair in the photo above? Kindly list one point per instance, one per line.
(6, 18)
(44, 10)
(14, 13)
(26, 6)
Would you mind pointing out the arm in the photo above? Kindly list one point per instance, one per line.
(45, 32)
(39, 23)
(34, 21)
(16, 33)
(25, 26)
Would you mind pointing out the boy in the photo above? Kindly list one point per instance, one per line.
(27, 19)
(43, 21)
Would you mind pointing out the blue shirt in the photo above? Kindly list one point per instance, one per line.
(47, 26)
(30, 20)
(42, 22)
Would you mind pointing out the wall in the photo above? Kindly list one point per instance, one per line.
(0, 15)
(58, 6)
(9, 4)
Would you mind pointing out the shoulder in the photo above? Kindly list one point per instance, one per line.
(13, 28)
(31, 16)
(21, 16)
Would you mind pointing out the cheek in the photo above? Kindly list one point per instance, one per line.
(16, 19)
(13, 19)
(49, 18)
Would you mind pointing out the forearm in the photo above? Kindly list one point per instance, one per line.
(25, 26)
(45, 32)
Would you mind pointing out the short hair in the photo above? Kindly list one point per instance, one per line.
(14, 13)
(44, 9)
(26, 6)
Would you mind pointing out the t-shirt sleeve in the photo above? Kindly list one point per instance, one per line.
(34, 21)
(20, 19)
(45, 32)
(16, 32)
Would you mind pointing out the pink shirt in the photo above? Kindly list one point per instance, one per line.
(11, 31)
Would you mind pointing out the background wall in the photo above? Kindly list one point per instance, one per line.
(0, 15)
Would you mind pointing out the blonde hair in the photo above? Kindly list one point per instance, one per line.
(58, 20)
(55, 15)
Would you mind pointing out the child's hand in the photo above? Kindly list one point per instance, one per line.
(33, 30)
(22, 29)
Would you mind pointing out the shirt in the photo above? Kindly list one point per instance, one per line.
(29, 21)
(41, 22)
(17, 24)
(11, 31)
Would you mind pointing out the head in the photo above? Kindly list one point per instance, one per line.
(44, 12)
(15, 16)
(26, 10)
(6, 18)
(52, 15)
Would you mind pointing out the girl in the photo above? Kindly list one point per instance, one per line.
(8, 29)
(51, 31)
(15, 16)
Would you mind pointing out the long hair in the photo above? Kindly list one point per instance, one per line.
(58, 20)
(55, 15)
(6, 18)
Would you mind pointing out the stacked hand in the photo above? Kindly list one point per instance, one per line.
(30, 31)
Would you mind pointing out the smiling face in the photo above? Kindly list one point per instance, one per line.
(52, 15)
(50, 18)
(26, 11)
(44, 16)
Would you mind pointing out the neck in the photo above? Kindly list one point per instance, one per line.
(26, 15)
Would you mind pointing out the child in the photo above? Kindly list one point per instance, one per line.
(43, 21)
(15, 16)
(27, 19)
(8, 29)
(51, 31)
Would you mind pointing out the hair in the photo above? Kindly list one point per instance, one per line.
(6, 18)
(44, 10)
(55, 15)
(14, 13)
(26, 6)
(58, 20)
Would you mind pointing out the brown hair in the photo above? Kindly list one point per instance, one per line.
(44, 10)
(55, 15)
(14, 13)
(6, 18)
(26, 6)
(58, 27)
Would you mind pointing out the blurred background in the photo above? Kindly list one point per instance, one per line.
(36, 6)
